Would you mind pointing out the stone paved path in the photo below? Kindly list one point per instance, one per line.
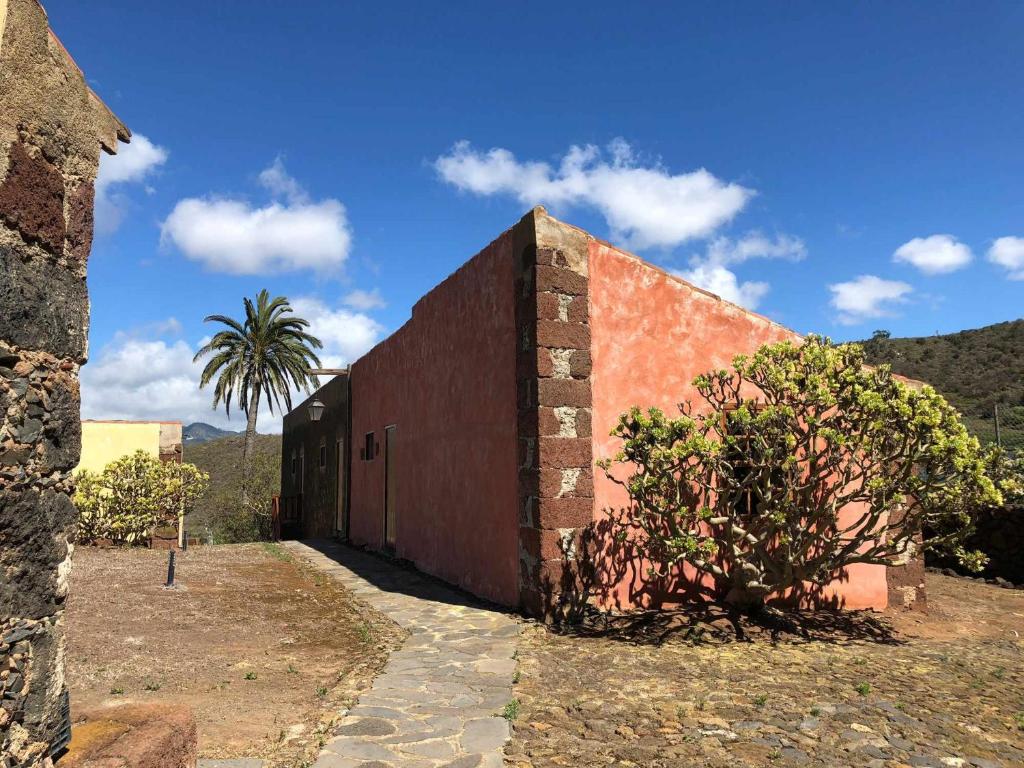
(439, 699)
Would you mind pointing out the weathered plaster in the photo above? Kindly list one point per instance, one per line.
(446, 381)
(652, 335)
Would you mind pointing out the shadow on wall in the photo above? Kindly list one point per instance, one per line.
(600, 570)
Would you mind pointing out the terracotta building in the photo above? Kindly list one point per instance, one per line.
(472, 431)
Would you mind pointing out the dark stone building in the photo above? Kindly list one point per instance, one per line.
(315, 466)
(52, 129)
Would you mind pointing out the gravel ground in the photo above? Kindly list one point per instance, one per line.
(945, 689)
(265, 650)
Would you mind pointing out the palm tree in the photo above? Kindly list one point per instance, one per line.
(264, 356)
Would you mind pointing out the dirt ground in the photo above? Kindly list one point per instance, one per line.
(264, 649)
(885, 691)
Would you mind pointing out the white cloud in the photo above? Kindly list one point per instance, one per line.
(276, 179)
(722, 282)
(139, 377)
(345, 335)
(867, 297)
(364, 300)
(934, 255)
(754, 245)
(132, 164)
(711, 270)
(231, 235)
(1008, 252)
(645, 206)
(153, 379)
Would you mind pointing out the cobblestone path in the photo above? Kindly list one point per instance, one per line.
(439, 699)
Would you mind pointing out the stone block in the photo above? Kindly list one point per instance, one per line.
(548, 306)
(551, 257)
(561, 335)
(558, 280)
(42, 307)
(549, 543)
(547, 422)
(580, 364)
(134, 736)
(584, 427)
(565, 512)
(555, 392)
(32, 199)
(35, 526)
(565, 452)
(579, 310)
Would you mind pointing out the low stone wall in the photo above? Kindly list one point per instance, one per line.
(1000, 535)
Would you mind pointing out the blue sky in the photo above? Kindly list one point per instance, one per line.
(838, 167)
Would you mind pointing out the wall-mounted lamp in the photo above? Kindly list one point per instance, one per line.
(316, 410)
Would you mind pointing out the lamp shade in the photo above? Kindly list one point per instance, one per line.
(316, 410)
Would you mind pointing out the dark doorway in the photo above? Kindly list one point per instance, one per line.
(340, 503)
(389, 488)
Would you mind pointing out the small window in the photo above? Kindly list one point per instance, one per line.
(368, 449)
(323, 457)
(295, 465)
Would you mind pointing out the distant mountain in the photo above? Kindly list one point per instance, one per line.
(973, 369)
(200, 432)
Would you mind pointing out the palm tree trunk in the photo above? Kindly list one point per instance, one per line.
(250, 442)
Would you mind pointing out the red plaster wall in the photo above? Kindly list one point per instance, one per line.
(651, 335)
(447, 380)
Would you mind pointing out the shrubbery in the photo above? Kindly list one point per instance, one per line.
(234, 517)
(749, 486)
(133, 495)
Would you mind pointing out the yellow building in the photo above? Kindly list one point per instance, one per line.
(105, 441)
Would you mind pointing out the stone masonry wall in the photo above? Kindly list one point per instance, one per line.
(556, 482)
(52, 128)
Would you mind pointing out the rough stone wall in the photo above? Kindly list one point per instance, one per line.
(904, 579)
(52, 128)
(556, 481)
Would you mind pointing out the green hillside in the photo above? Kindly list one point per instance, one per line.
(973, 369)
(222, 459)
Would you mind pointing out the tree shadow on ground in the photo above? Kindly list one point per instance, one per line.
(718, 624)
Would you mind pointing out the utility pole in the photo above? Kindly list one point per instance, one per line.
(999, 438)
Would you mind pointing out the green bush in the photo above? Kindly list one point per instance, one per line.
(233, 519)
(749, 486)
(133, 495)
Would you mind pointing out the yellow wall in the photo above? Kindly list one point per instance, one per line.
(105, 441)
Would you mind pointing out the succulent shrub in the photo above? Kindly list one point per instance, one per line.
(133, 495)
(797, 462)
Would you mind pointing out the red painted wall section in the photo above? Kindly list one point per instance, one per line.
(447, 381)
(651, 335)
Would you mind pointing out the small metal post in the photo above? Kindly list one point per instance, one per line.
(184, 540)
(170, 570)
